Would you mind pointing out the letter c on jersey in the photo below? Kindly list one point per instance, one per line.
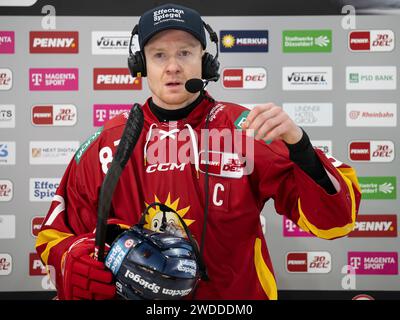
(218, 186)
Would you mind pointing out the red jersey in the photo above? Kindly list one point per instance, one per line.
(168, 166)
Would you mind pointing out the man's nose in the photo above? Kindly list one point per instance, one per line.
(173, 65)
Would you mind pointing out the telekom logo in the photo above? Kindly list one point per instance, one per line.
(37, 79)
(355, 262)
(101, 114)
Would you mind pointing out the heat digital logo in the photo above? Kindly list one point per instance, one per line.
(308, 262)
(373, 262)
(7, 116)
(324, 145)
(372, 151)
(7, 152)
(371, 78)
(7, 227)
(5, 264)
(378, 188)
(7, 42)
(105, 112)
(244, 40)
(115, 79)
(52, 152)
(370, 225)
(371, 114)
(290, 229)
(372, 40)
(5, 79)
(36, 266)
(113, 42)
(222, 164)
(6, 190)
(244, 78)
(307, 41)
(42, 189)
(53, 42)
(310, 114)
(307, 78)
(54, 115)
(52, 79)
(36, 224)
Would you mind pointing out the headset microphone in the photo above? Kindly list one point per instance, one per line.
(196, 84)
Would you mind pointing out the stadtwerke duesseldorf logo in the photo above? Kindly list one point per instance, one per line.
(306, 41)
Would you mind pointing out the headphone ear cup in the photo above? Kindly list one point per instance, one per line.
(137, 64)
(210, 66)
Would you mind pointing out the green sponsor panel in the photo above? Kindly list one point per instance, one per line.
(378, 187)
(307, 41)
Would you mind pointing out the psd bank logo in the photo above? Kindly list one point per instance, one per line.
(371, 78)
(6, 190)
(43, 189)
(7, 42)
(371, 40)
(53, 79)
(54, 115)
(115, 79)
(308, 262)
(371, 151)
(376, 263)
(105, 112)
(243, 40)
(53, 42)
(244, 78)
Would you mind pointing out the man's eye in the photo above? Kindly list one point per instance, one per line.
(185, 53)
(159, 55)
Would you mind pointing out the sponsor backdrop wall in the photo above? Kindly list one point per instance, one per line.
(58, 87)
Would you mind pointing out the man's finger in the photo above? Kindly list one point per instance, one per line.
(255, 112)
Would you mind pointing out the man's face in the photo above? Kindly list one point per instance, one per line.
(172, 58)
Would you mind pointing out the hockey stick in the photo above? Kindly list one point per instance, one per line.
(129, 138)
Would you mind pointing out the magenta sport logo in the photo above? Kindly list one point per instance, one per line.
(53, 79)
(105, 112)
(7, 42)
(379, 263)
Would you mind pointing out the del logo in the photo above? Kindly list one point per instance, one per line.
(7, 40)
(63, 79)
(6, 190)
(36, 224)
(43, 189)
(372, 151)
(372, 40)
(53, 42)
(5, 79)
(378, 187)
(370, 225)
(244, 78)
(290, 229)
(244, 40)
(222, 164)
(5, 264)
(105, 112)
(54, 115)
(36, 267)
(374, 262)
(308, 262)
(115, 79)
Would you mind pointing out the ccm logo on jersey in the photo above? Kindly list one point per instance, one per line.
(222, 164)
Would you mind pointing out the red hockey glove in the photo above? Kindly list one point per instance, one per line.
(83, 276)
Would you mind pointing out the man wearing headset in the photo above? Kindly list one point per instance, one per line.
(221, 201)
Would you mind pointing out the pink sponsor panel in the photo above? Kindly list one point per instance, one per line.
(53, 79)
(379, 263)
(104, 112)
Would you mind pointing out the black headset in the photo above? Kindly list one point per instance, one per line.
(210, 65)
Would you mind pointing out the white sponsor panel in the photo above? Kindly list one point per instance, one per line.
(52, 152)
(7, 152)
(310, 114)
(6, 190)
(113, 43)
(43, 189)
(307, 78)
(5, 264)
(371, 78)
(7, 226)
(371, 114)
(6, 79)
(324, 145)
(7, 116)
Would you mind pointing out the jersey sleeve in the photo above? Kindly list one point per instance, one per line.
(297, 196)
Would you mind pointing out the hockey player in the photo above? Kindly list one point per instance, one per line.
(220, 202)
